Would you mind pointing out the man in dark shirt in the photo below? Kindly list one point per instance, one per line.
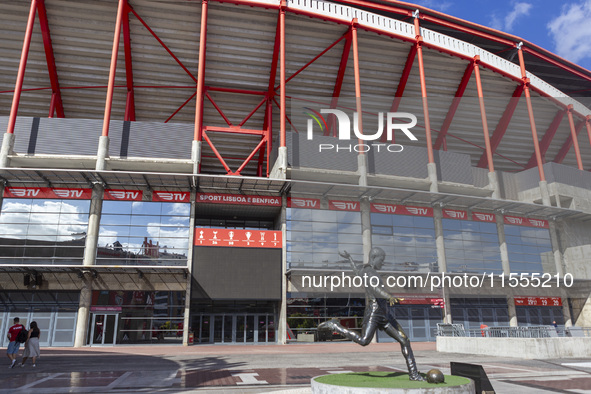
(13, 346)
(376, 311)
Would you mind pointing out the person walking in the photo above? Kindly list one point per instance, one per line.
(14, 345)
(32, 344)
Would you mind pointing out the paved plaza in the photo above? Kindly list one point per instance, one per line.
(265, 369)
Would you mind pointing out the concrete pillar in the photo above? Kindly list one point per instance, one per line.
(366, 227)
(90, 249)
(94, 220)
(82, 321)
(282, 322)
(441, 260)
(196, 156)
(560, 269)
(506, 267)
(279, 170)
(6, 149)
(187, 318)
(102, 153)
(545, 193)
(493, 184)
(432, 175)
(362, 169)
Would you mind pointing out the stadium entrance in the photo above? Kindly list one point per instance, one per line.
(235, 328)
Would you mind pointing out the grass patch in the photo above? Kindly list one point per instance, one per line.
(385, 380)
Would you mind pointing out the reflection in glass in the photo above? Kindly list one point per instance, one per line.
(144, 233)
(43, 231)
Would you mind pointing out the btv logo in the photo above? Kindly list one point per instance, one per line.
(344, 124)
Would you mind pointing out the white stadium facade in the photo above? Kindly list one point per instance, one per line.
(188, 171)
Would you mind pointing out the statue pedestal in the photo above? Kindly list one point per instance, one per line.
(387, 383)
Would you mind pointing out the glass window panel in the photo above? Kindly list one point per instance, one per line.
(16, 205)
(349, 217)
(450, 224)
(423, 222)
(403, 221)
(117, 207)
(146, 208)
(381, 219)
(176, 209)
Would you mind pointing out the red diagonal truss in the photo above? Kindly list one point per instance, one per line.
(547, 139)
(441, 139)
(567, 144)
(502, 125)
(331, 129)
(56, 105)
(402, 85)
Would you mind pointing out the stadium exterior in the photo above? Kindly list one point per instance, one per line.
(174, 164)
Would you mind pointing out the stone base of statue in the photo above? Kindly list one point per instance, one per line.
(387, 383)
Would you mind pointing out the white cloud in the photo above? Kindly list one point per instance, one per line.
(571, 31)
(507, 23)
(519, 9)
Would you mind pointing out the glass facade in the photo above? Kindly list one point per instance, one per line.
(530, 249)
(40, 231)
(144, 233)
(315, 237)
(409, 242)
(138, 316)
(471, 247)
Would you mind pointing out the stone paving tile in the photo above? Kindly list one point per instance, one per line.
(559, 386)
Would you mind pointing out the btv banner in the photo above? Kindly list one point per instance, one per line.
(237, 238)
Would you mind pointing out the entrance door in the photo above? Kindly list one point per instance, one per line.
(103, 329)
(235, 328)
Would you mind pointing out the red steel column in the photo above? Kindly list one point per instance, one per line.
(532, 121)
(356, 74)
(113, 69)
(489, 158)
(424, 91)
(574, 138)
(198, 135)
(18, 87)
(282, 100)
(431, 166)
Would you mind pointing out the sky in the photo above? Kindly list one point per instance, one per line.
(560, 26)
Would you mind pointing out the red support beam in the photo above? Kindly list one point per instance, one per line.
(252, 112)
(218, 108)
(567, 144)
(282, 98)
(216, 153)
(130, 102)
(181, 107)
(501, 128)
(18, 87)
(573, 135)
(487, 144)
(547, 138)
(336, 93)
(113, 69)
(410, 59)
(56, 105)
(429, 142)
(139, 18)
(272, 77)
(198, 134)
(356, 73)
(316, 58)
(249, 158)
(530, 112)
(441, 140)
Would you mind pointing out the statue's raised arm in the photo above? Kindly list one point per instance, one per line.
(346, 255)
